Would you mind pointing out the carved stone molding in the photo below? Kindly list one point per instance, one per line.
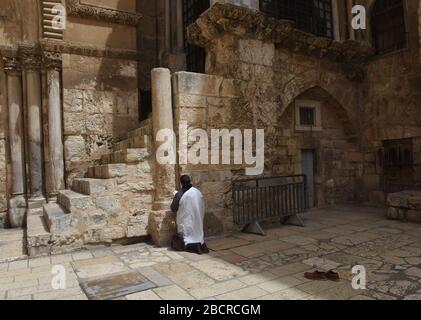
(77, 8)
(30, 56)
(91, 51)
(52, 60)
(250, 24)
(11, 61)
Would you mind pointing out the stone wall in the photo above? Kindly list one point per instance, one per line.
(214, 102)
(392, 105)
(100, 102)
(254, 79)
(100, 95)
(147, 41)
(208, 102)
(3, 171)
(419, 25)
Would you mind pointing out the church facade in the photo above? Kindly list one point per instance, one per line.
(86, 86)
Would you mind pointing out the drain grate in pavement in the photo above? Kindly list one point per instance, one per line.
(116, 286)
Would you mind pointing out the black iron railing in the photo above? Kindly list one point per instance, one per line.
(257, 200)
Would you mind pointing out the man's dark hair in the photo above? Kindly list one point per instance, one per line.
(185, 182)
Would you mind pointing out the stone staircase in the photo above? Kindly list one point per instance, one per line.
(111, 203)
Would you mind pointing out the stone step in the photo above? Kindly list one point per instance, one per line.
(108, 171)
(125, 156)
(58, 220)
(90, 186)
(133, 143)
(145, 129)
(74, 201)
(37, 236)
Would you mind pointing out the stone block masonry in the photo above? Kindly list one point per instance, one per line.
(100, 104)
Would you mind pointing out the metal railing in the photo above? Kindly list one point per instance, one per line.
(257, 200)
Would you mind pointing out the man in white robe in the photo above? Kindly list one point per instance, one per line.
(190, 207)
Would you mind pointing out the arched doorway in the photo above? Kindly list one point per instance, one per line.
(319, 141)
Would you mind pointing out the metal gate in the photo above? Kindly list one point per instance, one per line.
(257, 200)
(398, 162)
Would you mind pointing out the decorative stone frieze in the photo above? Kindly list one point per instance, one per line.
(250, 24)
(77, 8)
(52, 60)
(91, 51)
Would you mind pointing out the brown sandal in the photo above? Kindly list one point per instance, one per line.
(333, 276)
(316, 275)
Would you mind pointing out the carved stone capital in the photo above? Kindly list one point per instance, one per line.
(31, 57)
(11, 62)
(52, 60)
(79, 9)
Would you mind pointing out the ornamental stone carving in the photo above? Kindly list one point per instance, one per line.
(30, 56)
(79, 9)
(247, 23)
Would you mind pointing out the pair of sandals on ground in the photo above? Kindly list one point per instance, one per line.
(178, 245)
(322, 275)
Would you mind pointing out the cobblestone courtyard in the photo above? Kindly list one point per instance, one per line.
(243, 266)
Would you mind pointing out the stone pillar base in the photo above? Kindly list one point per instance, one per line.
(162, 227)
(17, 211)
(35, 206)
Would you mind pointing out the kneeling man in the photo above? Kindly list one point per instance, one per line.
(189, 205)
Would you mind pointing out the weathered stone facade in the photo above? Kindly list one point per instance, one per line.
(98, 108)
(79, 166)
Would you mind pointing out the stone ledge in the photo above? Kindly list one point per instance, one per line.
(250, 24)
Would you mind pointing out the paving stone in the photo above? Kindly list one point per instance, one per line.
(254, 279)
(98, 267)
(58, 294)
(287, 294)
(290, 269)
(173, 268)
(144, 295)
(19, 264)
(342, 292)
(19, 285)
(316, 287)
(36, 262)
(219, 270)
(159, 279)
(57, 259)
(248, 293)
(217, 289)
(82, 255)
(225, 243)
(172, 293)
(279, 284)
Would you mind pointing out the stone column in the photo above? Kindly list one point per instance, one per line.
(55, 126)
(179, 26)
(32, 64)
(162, 118)
(173, 55)
(161, 220)
(17, 202)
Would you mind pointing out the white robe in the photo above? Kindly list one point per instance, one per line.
(190, 215)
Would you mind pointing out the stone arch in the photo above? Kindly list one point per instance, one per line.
(344, 99)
